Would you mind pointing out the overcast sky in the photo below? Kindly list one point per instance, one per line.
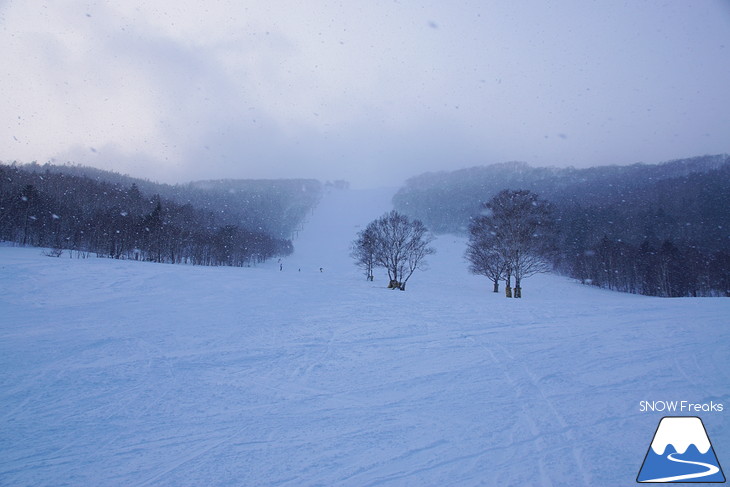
(369, 91)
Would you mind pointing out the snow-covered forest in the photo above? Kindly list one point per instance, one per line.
(85, 211)
(655, 229)
(658, 230)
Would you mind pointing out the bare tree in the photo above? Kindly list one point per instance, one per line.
(519, 229)
(483, 255)
(400, 246)
(363, 250)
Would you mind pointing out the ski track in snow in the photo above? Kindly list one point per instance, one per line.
(127, 373)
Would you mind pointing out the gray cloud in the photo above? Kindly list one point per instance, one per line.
(370, 94)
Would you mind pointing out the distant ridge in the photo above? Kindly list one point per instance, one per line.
(446, 200)
(275, 206)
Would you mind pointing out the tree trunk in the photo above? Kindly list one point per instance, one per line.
(508, 291)
(496, 286)
(518, 288)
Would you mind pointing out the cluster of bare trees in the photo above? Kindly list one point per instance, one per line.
(395, 243)
(85, 216)
(517, 234)
(667, 270)
(656, 229)
(512, 239)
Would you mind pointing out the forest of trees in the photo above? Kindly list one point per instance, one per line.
(46, 206)
(661, 230)
(276, 207)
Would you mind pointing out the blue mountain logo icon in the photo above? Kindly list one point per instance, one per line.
(680, 452)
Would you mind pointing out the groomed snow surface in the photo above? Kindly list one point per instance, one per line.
(120, 373)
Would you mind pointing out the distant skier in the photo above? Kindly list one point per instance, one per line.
(281, 267)
(321, 270)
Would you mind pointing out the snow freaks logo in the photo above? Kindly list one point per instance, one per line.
(680, 452)
(680, 407)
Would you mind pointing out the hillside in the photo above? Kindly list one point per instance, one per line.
(127, 373)
(86, 210)
(446, 200)
(614, 221)
(273, 206)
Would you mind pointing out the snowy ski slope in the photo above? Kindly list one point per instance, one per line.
(126, 373)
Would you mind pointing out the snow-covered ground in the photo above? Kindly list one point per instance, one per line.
(128, 373)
